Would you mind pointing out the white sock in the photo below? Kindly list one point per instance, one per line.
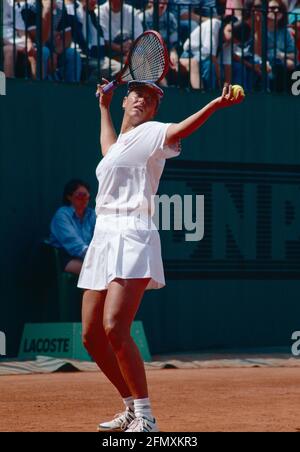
(142, 407)
(128, 402)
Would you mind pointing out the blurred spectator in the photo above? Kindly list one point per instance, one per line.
(72, 226)
(121, 25)
(234, 8)
(220, 7)
(247, 57)
(8, 39)
(198, 9)
(291, 4)
(281, 45)
(85, 28)
(191, 13)
(168, 29)
(65, 63)
(19, 38)
(294, 22)
(88, 34)
(211, 45)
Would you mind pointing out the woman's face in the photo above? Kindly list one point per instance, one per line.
(79, 198)
(274, 11)
(257, 7)
(116, 5)
(161, 7)
(227, 33)
(91, 4)
(140, 105)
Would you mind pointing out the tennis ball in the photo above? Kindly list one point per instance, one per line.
(236, 90)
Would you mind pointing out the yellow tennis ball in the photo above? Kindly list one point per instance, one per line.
(236, 90)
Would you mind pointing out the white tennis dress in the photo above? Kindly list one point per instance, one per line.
(126, 243)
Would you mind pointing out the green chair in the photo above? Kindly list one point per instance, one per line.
(68, 295)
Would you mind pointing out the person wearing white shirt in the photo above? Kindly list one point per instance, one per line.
(89, 36)
(19, 36)
(212, 45)
(121, 25)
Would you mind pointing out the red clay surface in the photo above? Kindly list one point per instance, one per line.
(184, 400)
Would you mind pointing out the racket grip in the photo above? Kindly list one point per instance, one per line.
(107, 88)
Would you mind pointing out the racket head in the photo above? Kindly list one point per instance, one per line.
(148, 59)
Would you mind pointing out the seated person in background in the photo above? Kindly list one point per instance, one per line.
(214, 54)
(281, 45)
(247, 58)
(19, 27)
(88, 34)
(234, 7)
(119, 29)
(294, 25)
(190, 13)
(65, 62)
(72, 226)
(168, 28)
(9, 34)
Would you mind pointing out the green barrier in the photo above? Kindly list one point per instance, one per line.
(63, 340)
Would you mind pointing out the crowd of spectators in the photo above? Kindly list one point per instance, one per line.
(209, 41)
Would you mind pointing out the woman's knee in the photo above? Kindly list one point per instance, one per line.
(116, 333)
(8, 51)
(87, 338)
(91, 336)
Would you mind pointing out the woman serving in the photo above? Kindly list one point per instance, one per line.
(124, 257)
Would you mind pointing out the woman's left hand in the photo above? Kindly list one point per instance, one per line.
(227, 99)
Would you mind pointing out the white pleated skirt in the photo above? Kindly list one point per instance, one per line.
(122, 247)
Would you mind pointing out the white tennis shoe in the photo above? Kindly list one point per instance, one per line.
(119, 423)
(143, 424)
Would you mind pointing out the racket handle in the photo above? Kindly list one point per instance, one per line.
(107, 88)
(112, 85)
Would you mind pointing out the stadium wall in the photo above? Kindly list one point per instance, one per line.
(237, 287)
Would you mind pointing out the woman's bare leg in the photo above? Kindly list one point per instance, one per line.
(96, 342)
(121, 304)
(195, 72)
(9, 69)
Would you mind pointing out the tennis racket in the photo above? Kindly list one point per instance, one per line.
(148, 59)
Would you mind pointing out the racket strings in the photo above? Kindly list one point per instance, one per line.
(147, 60)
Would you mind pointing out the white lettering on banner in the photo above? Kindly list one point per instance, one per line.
(2, 84)
(296, 84)
(2, 344)
(296, 345)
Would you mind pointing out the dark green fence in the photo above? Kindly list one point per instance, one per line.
(239, 286)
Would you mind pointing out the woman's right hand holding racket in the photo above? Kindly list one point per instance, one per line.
(104, 98)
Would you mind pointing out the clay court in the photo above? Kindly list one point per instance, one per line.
(185, 400)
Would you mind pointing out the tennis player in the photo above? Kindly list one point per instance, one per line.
(124, 257)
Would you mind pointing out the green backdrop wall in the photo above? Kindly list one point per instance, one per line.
(239, 286)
